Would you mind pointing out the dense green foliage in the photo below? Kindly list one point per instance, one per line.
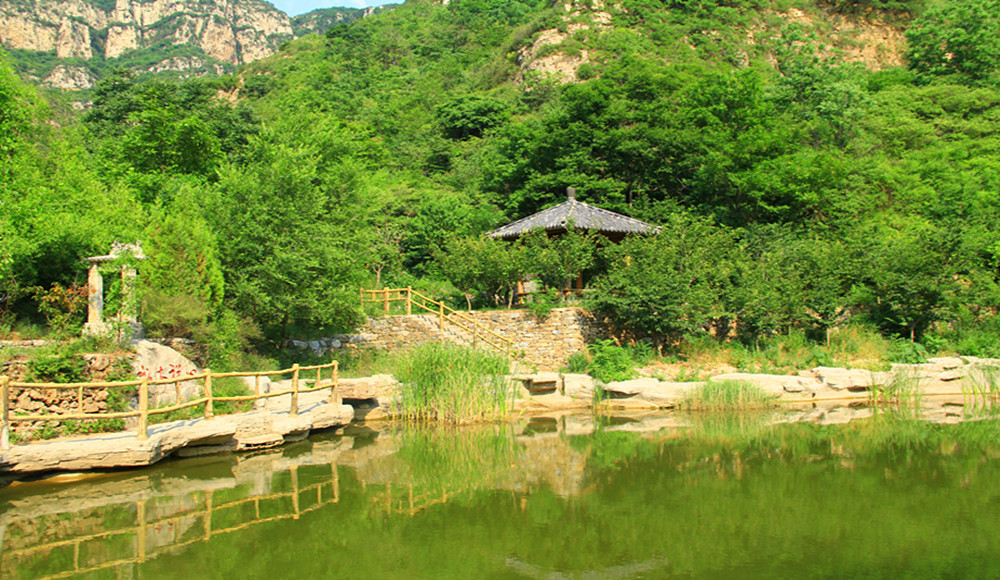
(795, 190)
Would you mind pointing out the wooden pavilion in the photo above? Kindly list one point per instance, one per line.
(578, 215)
(582, 216)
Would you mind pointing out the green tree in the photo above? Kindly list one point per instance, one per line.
(560, 260)
(482, 265)
(960, 36)
(471, 116)
(181, 281)
(670, 283)
(290, 253)
(909, 280)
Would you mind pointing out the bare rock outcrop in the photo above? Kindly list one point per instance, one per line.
(230, 31)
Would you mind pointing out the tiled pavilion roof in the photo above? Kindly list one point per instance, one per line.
(583, 216)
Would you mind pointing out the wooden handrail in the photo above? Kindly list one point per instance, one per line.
(469, 319)
(8, 416)
(444, 312)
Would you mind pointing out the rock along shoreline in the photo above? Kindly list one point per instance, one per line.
(944, 384)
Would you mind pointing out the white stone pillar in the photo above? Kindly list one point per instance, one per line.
(95, 302)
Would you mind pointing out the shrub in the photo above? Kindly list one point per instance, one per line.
(578, 362)
(62, 306)
(610, 362)
(60, 368)
(543, 301)
(174, 315)
(907, 351)
(859, 344)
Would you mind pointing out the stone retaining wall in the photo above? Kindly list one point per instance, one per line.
(546, 343)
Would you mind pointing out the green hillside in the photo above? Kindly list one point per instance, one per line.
(811, 164)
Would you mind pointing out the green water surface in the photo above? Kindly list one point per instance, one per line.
(717, 497)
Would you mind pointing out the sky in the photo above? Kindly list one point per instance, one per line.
(296, 7)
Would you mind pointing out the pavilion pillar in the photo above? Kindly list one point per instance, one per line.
(128, 315)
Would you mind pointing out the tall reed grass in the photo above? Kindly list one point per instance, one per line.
(982, 386)
(902, 389)
(726, 396)
(453, 384)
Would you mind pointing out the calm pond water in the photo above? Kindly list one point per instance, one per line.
(575, 497)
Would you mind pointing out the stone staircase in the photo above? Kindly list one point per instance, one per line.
(443, 321)
(418, 328)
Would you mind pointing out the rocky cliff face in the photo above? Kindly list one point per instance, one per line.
(227, 32)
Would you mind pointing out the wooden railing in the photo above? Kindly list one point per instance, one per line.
(412, 299)
(143, 412)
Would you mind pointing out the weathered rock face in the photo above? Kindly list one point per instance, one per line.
(69, 77)
(231, 31)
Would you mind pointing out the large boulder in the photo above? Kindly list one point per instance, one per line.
(378, 386)
(155, 361)
(652, 391)
(776, 385)
(578, 386)
(840, 379)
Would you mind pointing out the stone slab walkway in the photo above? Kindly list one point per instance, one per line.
(264, 428)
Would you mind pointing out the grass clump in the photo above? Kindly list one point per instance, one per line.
(452, 384)
(902, 388)
(982, 386)
(727, 396)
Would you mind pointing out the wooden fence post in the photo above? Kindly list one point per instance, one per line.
(334, 379)
(142, 431)
(140, 518)
(208, 514)
(209, 410)
(409, 301)
(293, 409)
(294, 472)
(5, 412)
(385, 300)
(440, 316)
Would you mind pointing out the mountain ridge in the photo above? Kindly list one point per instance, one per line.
(70, 44)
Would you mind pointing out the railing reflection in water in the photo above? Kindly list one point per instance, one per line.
(148, 535)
